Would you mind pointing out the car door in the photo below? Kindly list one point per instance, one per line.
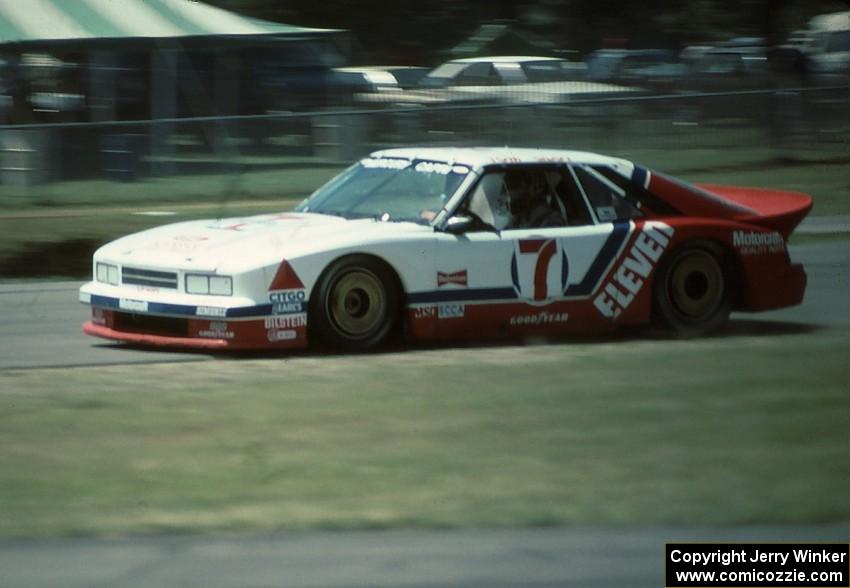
(501, 275)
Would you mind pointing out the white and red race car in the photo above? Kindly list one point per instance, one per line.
(456, 243)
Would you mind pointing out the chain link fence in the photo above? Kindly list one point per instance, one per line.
(674, 132)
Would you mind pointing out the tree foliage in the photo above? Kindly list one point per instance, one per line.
(417, 32)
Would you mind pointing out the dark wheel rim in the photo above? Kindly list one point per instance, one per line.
(696, 285)
(357, 303)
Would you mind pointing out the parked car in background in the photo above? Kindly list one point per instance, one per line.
(657, 69)
(377, 78)
(730, 68)
(502, 71)
(826, 44)
(501, 79)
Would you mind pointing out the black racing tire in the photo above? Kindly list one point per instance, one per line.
(693, 292)
(355, 305)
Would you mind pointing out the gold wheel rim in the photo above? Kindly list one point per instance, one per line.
(357, 303)
(696, 285)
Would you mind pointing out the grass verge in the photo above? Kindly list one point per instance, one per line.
(727, 430)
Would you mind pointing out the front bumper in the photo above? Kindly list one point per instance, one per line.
(152, 340)
(271, 332)
(190, 323)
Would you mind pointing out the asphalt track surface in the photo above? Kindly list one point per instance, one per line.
(40, 328)
(522, 558)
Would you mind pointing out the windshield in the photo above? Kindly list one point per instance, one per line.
(447, 70)
(388, 189)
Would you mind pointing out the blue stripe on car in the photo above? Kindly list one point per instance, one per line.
(610, 249)
(602, 262)
(467, 295)
(183, 309)
(640, 176)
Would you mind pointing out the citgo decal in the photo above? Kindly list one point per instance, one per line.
(286, 292)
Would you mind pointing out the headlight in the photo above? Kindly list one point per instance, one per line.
(214, 285)
(106, 273)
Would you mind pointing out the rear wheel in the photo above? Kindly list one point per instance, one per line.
(355, 306)
(693, 289)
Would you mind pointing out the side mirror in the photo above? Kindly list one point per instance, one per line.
(457, 225)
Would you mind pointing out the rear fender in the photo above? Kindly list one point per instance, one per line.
(760, 266)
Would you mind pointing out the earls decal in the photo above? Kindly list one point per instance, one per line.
(628, 278)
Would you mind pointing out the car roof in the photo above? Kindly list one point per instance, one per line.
(836, 21)
(477, 157)
(505, 59)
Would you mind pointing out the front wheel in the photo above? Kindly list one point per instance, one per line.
(693, 291)
(356, 304)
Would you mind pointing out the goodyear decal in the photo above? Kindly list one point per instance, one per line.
(539, 319)
(624, 283)
(217, 330)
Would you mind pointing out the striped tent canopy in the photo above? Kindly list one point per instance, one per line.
(39, 22)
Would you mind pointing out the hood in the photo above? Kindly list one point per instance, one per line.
(208, 245)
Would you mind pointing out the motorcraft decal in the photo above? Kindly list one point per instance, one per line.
(756, 243)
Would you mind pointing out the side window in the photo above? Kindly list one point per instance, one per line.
(838, 41)
(489, 201)
(478, 74)
(543, 71)
(607, 200)
(569, 194)
(533, 197)
(635, 194)
(529, 197)
(510, 73)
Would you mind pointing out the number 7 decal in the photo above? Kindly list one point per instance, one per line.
(532, 271)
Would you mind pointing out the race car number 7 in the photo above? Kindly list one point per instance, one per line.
(531, 269)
